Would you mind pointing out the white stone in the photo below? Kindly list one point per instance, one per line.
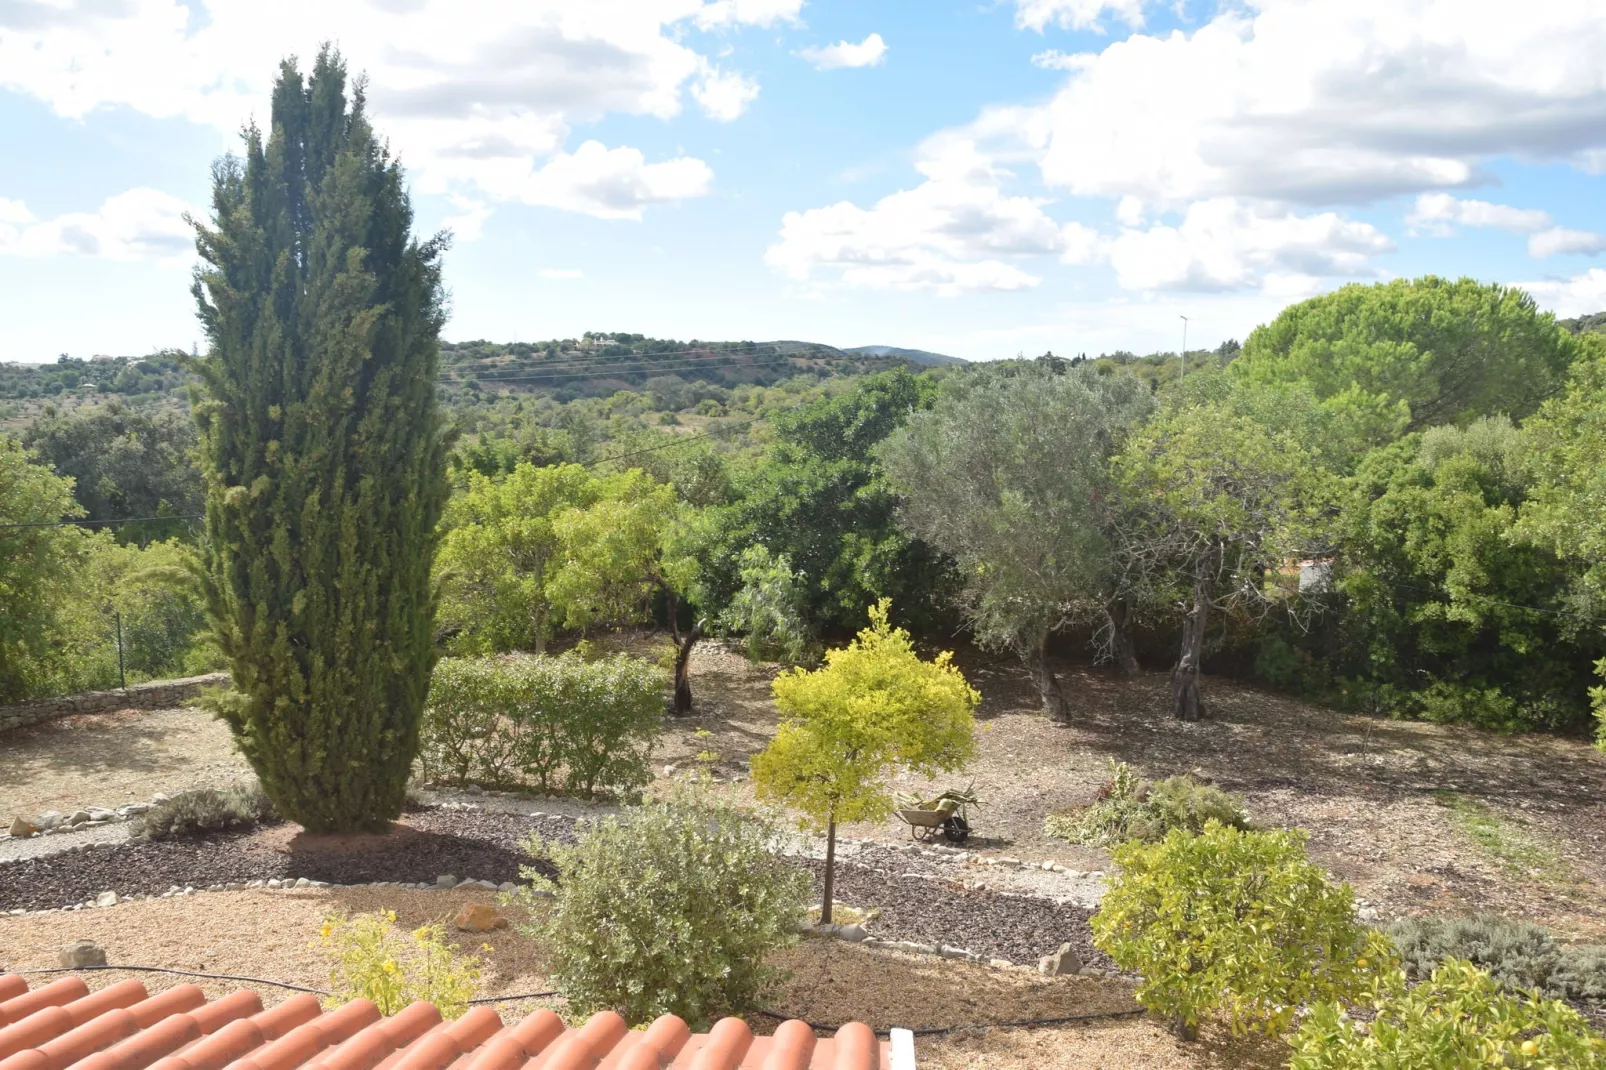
(446, 880)
(106, 899)
(1000, 964)
(301, 882)
(487, 885)
(507, 886)
(851, 933)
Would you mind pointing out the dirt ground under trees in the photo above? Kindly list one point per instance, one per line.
(1419, 818)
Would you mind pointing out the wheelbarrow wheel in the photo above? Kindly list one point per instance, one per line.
(922, 832)
(956, 829)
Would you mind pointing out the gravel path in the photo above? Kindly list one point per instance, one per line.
(919, 898)
(12, 850)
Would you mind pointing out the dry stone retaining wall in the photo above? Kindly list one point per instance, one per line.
(155, 695)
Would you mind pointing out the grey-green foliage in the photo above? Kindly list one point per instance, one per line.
(668, 908)
(203, 810)
(1008, 474)
(768, 609)
(1131, 809)
(538, 721)
(322, 451)
(1516, 953)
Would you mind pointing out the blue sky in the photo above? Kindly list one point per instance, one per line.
(979, 179)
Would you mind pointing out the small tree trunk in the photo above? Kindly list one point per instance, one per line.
(1185, 702)
(1121, 646)
(830, 868)
(1184, 1030)
(1048, 688)
(682, 705)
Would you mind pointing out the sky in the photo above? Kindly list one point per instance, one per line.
(975, 178)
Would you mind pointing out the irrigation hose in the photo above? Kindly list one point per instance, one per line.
(1023, 1023)
(252, 980)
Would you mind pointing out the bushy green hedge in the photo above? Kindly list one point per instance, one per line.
(668, 908)
(1236, 925)
(552, 723)
(1459, 1017)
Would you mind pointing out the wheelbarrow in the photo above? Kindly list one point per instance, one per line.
(946, 815)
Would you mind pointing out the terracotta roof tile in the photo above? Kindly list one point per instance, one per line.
(63, 1026)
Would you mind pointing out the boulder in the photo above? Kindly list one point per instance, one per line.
(50, 819)
(21, 827)
(479, 918)
(446, 880)
(106, 899)
(78, 817)
(1060, 963)
(80, 954)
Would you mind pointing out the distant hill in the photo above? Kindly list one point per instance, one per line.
(918, 356)
(1592, 324)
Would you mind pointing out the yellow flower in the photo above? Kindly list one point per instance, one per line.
(1360, 963)
(389, 966)
(1529, 1048)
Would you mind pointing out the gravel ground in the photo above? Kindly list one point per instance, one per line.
(38, 846)
(919, 899)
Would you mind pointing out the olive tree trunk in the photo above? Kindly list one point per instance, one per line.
(1048, 686)
(1185, 702)
(1122, 649)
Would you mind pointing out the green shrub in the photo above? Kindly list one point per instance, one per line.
(552, 723)
(1130, 809)
(1233, 924)
(1515, 953)
(203, 810)
(1459, 1018)
(668, 908)
(374, 960)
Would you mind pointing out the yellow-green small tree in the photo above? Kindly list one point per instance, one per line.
(874, 705)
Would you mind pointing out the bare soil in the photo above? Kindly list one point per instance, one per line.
(272, 935)
(1371, 793)
(108, 759)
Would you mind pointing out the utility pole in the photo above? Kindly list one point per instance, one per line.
(1183, 374)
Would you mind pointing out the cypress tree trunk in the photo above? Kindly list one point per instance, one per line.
(323, 452)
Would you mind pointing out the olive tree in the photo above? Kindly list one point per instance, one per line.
(1008, 473)
(1212, 501)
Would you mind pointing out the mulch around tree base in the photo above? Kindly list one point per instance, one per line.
(488, 846)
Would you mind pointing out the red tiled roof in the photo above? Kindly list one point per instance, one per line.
(123, 1027)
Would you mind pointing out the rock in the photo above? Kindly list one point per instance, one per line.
(1000, 964)
(506, 886)
(479, 918)
(78, 817)
(1061, 963)
(487, 885)
(301, 882)
(80, 954)
(446, 880)
(275, 883)
(948, 952)
(1367, 914)
(159, 798)
(851, 933)
(50, 819)
(21, 826)
(106, 899)
(1049, 866)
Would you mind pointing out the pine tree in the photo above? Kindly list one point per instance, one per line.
(323, 451)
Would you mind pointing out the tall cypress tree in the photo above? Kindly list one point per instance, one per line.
(323, 451)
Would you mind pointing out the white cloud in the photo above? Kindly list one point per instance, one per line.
(140, 224)
(1580, 295)
(1439, 213)
(468, 222)
(724, 95)
(1075, 14)
(561, 273)
(474, 94)
(750, 12)
(1560, 241)
(869, 52)
(1324, 102)
(614, 183)
(951, 234)
(1230, 244)
(1052, 59)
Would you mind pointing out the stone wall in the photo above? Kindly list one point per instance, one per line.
(155, 695)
